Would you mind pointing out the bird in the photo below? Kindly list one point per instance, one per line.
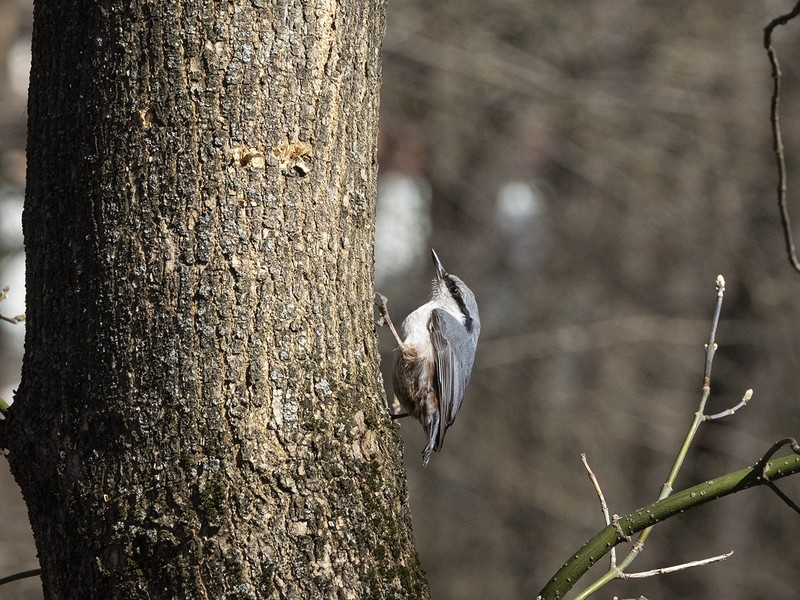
(434, 363)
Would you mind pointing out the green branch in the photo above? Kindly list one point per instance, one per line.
(647, 516)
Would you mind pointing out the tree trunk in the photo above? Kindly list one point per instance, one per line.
(201, 413)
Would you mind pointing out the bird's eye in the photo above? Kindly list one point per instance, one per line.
(455, 291)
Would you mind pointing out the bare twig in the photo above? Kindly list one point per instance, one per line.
(14, 320)
(395, 410)
(788, 441)
(22, 575)
(596, 484)
(711, 347)
(699, 415)
(776, 132)
(616, 572)
(748, 395)
(681, 567)
(603, 503)
(385, 319)
(789, 502)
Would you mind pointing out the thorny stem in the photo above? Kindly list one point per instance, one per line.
(764, 471)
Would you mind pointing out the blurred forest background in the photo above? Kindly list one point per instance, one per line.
(588, 168)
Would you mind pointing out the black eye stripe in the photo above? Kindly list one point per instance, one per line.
(455, 292)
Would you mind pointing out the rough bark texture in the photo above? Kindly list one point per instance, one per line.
(201, 413)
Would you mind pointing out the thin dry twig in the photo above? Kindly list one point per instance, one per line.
(776, 132)
(603, 503)
(596, 484)
(681, 567)
(12, 320)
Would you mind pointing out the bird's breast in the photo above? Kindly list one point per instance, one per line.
(415, 327)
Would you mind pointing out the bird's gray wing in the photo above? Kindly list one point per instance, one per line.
(451, 377)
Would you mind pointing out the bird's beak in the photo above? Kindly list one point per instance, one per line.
(440, 272)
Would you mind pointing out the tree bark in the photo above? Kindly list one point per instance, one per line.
(201, 413)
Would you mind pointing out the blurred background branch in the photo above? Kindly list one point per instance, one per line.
(776, 132)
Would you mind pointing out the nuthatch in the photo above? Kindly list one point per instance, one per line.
(434, 364)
